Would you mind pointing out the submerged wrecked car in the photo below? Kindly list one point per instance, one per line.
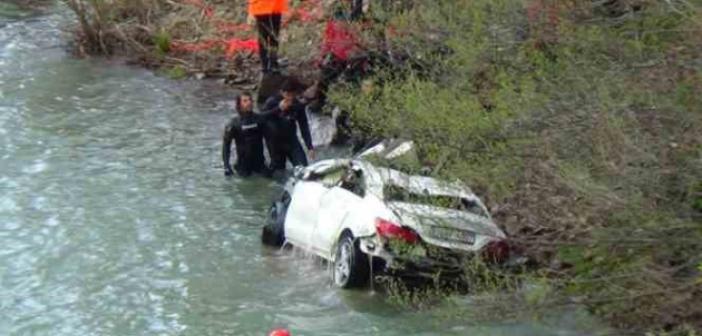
(356, 215)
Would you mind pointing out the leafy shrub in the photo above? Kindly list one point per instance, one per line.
(577, 121)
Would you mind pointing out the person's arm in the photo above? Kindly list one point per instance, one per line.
(356, 9)
(231, 132)
(301, 116)
(270, 107)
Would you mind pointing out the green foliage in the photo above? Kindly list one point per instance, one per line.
(162, 42)
(586, 127)
(482, 277)
(176, 73)
(697, 203)
(479, 277)
(417, 298)
(405, 250)
(538, 292)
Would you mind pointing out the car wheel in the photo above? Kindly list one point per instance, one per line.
(350, 264)
(273, 232)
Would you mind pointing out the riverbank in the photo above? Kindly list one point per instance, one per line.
(579, 123)
(192, 38)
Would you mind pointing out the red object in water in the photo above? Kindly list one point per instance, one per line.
(391, 230)
(339, 40)
(280, 332)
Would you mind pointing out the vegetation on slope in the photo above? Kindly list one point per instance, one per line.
(190, 37)
(580, 122)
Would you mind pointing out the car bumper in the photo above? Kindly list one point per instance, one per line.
(415, 264)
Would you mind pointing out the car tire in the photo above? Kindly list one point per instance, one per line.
(351, 268)
(273, 232)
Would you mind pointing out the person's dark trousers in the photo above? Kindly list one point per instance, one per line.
(356, 9)
(268, 28)
(291, 151)
(246, 171)
(297, 155)
(269, 86)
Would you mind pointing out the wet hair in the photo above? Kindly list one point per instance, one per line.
(238, 99)
(290, 85)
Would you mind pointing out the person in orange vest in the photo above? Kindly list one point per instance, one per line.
(268, 14)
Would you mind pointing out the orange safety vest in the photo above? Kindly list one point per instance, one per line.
(265, 7)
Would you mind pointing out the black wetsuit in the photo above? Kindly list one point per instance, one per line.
(247, 133)
(281, 133)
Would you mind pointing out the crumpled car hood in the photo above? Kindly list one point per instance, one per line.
(446, 227)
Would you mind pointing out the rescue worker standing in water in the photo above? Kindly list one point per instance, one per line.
(246, 130)
(283, 114)
(268, 14)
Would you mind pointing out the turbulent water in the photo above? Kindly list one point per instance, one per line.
(116, 219)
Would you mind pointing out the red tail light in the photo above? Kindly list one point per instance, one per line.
(391, 230)
(496, 251)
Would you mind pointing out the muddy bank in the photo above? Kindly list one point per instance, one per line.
(192, 38)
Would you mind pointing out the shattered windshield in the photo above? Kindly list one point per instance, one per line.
(394, 193)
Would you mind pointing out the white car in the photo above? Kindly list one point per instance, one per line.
(353, 214)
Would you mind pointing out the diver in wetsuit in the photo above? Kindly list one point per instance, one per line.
(246, 130)
(283, 114)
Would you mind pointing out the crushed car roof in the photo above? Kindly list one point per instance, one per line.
(377, 177)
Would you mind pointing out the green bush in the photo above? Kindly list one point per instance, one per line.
(579, 126)
(162, 42)
(176, 73)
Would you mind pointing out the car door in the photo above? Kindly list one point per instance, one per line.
(335, 206)
(301, 218)
(302, 213)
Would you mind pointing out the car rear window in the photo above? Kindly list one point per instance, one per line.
(394, 193)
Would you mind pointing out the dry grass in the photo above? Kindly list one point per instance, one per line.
(186, 37)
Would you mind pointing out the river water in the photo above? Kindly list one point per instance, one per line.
(116, 219)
